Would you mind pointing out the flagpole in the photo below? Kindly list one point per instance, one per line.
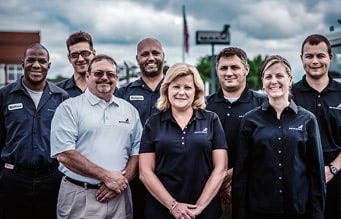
(183, 33)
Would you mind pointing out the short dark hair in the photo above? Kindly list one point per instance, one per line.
(37, 45)
(100, 57)
(79, 37)
(315, 39)
(231, 51)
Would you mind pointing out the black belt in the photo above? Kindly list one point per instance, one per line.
(31, 171)
(82, 184)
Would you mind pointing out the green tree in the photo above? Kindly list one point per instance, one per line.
(253, 79)
(204, 67)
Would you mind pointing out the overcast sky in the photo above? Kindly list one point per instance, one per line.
(258, 26)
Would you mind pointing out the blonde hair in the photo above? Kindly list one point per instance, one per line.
(174, 72)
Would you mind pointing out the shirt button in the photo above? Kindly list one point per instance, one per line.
(184, 132)
(228, 114)
(280, 164)
(182, 143)
(279, 139)
(319, 96)
(279, 127)
(279, 151)
(182, 137)
(229, 107)
(319, 104)
(280, 178)
(281, 191)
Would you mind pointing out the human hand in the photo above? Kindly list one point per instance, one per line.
(104, 194)
(116, 181)
(328, 174)
(183, 211)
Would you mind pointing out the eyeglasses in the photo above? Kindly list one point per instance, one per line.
(109, 74)
(84, 54)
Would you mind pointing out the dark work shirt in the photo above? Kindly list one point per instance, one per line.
(69, 85)
(230, 114)
(25, 129)
(326, 106)
(183, 158)
(141, 97)
(279, 164)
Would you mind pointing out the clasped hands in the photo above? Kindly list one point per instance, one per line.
(186, 211)
(113, 184)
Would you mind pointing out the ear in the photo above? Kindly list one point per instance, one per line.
(247, 69)
(49, 65)
(94, 52)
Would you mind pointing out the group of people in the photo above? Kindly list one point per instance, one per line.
(158, 148)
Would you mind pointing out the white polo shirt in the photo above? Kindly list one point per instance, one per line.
(105, 133)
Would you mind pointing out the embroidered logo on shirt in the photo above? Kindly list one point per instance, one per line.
(204, 131)
(126, 121)
(136, 97)
(241, 116)
(299, 128)
(15, 106)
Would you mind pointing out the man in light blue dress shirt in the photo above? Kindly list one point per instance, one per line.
(96, 138)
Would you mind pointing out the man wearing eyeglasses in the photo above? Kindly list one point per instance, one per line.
(80, 52)
(97, 168)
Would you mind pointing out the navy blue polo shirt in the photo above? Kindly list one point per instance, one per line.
(230, 114)
(183, 158)
(279, 163)
(141, 97)
(25, 129)
(326, 106)
(69, 85)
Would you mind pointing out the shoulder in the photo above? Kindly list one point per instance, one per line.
(62, 83)
(57, 90)
(211, 98)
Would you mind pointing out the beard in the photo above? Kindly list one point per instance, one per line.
(153, 73)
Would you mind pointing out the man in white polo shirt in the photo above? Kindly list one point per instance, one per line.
(97, 168)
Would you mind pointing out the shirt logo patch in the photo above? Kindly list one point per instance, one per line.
(204, 131)
(124, 121)
(299, 128)
(241, 116)
(15, 106)
(136, 97)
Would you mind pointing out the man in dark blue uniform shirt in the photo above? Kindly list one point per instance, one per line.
(29, 178)
(80, 53)
(231, 102)
(143, 94)
(320, 94)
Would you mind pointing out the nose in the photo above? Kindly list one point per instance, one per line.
(36, 64)
(80, 58)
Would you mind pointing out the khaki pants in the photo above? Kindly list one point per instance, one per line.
(77, 202)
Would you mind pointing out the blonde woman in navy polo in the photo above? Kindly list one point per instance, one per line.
(183, 157)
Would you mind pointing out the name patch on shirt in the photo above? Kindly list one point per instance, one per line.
(204, 131)
(15, 106)
(336, 107)
(299, 128)
(136, 97)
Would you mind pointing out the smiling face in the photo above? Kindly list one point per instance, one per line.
(276, 82)
(80, 56)
(181, 92)
(102, 79)
(232, 73)
(150, 58)
(36, 65)
(316, 60)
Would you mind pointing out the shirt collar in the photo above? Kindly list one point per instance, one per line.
(244, 97)
(332, 85)
(93, 99)
(140, 83)
(18, 86)
(197, 114)
(70, 83)
(292, 106)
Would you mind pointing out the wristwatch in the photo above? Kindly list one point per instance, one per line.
(333, 169)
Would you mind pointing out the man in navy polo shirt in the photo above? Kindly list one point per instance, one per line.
(320, 94)
(29, 178)
(231, 102)
(80, 53)
(143, 94)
